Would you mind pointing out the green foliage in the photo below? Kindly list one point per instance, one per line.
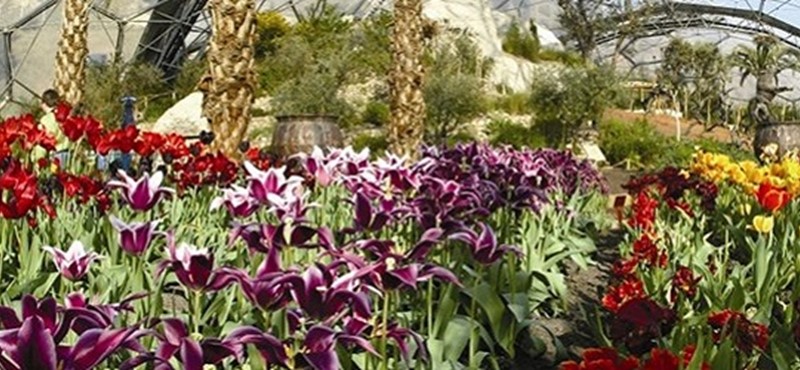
(107, 84)
(270, 27)
(377, 113)
(576, 96)
(454, 89)
(645, 148)
(521, 43)
(637, 142)
(459, 138)
(505, 132)
(565, 57)
(697, 75)
(377, 144)
(514, 103)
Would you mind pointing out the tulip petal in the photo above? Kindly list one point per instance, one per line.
(36, 348)
(191, 355)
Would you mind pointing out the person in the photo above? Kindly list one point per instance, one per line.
(50, 100)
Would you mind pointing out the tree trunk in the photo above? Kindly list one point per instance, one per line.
(231, 84)
(72, 51)
(406, 79)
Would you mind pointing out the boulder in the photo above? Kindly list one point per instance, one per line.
(184, 118)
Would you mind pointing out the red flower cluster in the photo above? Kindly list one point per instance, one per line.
(602, 359)
(684, 282)
(609, 359)
(772, 198)
(85, 188)
(616, 296)
(646, 251)
(746, 335)
(259, 158)
(20, 196)
(639, 322)
(206, 169)
(644, 211)
(673, 184)
(24, 133)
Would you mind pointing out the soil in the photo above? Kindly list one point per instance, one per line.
(665, 125)
(572, 330)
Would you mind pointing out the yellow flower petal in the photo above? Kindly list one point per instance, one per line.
(763, 224)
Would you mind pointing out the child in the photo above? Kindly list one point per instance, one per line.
(50, 100)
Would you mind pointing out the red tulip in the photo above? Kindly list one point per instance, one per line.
(772, 198)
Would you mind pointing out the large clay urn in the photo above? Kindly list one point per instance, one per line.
(301, 133)
(785, 136)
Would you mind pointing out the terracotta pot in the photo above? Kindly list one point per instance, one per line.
(300, 133)
(785, 136)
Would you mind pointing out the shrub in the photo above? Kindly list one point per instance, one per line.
(107, 84)
(454, 89)
(376, 144)
(521, 43)
(377, 113)
(637, 142)
(270, 27)
(514, 103)
(505, 132)
(576, 96)
(568, 58)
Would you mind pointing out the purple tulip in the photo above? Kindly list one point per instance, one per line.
(322, 295)
(291, 208)
(264, 290)
(367, 218)
(194, 267)
(237, 200)
(271, 349)
(144, 193)
(135, 237)
(320, 342)
(74, 263)
(176, 342)
(32, 345)
(263, 237)
(321, 167)
(484, 246)
(272, 181)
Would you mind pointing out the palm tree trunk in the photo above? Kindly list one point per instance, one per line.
(406, 79)
(232, 80)
(72, 51)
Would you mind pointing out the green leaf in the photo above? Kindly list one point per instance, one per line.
(456, 337)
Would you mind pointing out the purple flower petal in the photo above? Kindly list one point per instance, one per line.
(36, 348)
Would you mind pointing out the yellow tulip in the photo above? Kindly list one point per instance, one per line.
(763, 224)
(744, 209)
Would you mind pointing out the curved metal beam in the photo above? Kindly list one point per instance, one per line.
(664, 27)
(671, 8)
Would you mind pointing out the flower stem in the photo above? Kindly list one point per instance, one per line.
(385, 323)
(473, 337)
(198, 310)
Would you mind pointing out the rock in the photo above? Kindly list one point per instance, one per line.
(184, 118)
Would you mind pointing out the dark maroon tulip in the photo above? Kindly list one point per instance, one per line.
(32, 346)
(367, 218)
(135, 237)
(484, 246)
(175, 341)
(322, 295)
(194, 267)
(270, 182)
(271, 349)
(142, 194)
(265, 290)
(260, 238)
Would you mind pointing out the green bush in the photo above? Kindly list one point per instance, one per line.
(377, 144)
(637, 142)
(270, 27)
(459, 138)
(521, 43)
(568, 58)
(505, 132)
(514, 103)
(679, 153)
(563, 103)
(377, 113)
(106, 85)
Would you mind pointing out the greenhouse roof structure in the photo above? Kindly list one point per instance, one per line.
(167, 32)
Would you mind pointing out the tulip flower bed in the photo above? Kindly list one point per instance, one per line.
(708, 278)
(337, 262)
